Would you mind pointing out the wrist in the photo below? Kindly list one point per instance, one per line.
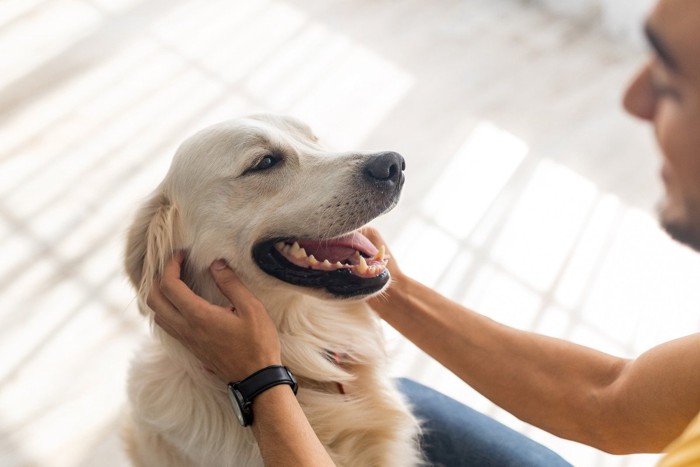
(271, 399)
(243, 393)
(273, 408)
(400, 283)
(240, 373)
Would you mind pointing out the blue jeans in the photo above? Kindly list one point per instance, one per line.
(455, 435)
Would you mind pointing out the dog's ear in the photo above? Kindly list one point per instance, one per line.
(151, 241)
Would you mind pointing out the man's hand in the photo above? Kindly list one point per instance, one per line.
(382, 302)
(232, 342)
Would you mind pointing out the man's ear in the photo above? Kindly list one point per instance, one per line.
(151, 241)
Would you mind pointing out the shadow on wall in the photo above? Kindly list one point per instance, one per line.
(9, 451)
(620, 18)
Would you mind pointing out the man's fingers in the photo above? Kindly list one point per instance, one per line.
(231, 286)
(174, 289)
(164, 324)
(163, 309)
(373, 235)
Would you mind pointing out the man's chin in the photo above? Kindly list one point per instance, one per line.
(679, 225)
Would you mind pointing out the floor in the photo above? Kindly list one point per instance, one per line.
(530, 195)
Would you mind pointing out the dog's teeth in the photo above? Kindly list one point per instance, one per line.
(338, 264)
(362, 267)
(311, 260)
(326, 263)
(279, 246)
(299, 253)
(380, 254)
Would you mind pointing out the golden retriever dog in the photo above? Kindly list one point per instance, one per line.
(265, 196)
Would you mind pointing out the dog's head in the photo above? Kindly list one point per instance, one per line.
(261, 193)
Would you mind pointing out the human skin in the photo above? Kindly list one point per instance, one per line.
(666, 93)
(617, 405)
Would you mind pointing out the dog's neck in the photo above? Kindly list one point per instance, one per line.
(275, 303)
(308, 329)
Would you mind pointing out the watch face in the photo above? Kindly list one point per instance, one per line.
(238, 405)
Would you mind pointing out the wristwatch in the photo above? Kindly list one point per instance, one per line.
(243, 392)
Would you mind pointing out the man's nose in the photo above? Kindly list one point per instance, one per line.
(639, 99)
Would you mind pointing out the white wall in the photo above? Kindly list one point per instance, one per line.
(621, 18)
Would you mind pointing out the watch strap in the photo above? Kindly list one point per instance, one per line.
(264, 379)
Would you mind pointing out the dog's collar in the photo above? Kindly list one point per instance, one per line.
(335, 358)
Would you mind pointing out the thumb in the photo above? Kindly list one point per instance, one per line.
(373, 235)
(230, 285)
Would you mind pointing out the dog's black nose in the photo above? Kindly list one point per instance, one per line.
(385, 167)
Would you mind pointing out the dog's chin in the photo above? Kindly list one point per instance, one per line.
(344, 267)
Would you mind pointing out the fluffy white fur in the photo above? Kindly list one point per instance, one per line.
(180, 414)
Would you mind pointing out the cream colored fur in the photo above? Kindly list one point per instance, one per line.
(180, 414)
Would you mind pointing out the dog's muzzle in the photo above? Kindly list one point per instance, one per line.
(348, 265)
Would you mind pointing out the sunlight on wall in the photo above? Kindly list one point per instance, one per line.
(335, 103)
(545, 224)
(645, 287)
(66, 19)
(288, 63)
(473, 179)
(429, 246)
(252, 35)
(593, 242)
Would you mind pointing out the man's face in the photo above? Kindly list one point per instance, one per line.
(666, 92)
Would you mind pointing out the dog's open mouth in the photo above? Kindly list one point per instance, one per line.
(345, 266)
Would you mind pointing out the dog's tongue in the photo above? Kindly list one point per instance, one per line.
(339, 249)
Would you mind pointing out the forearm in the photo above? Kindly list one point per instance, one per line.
(283, 433)
(555, 385)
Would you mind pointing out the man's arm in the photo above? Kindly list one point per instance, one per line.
(614, 404)
(283, 432)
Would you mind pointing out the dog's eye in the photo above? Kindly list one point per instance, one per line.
(266, 162)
